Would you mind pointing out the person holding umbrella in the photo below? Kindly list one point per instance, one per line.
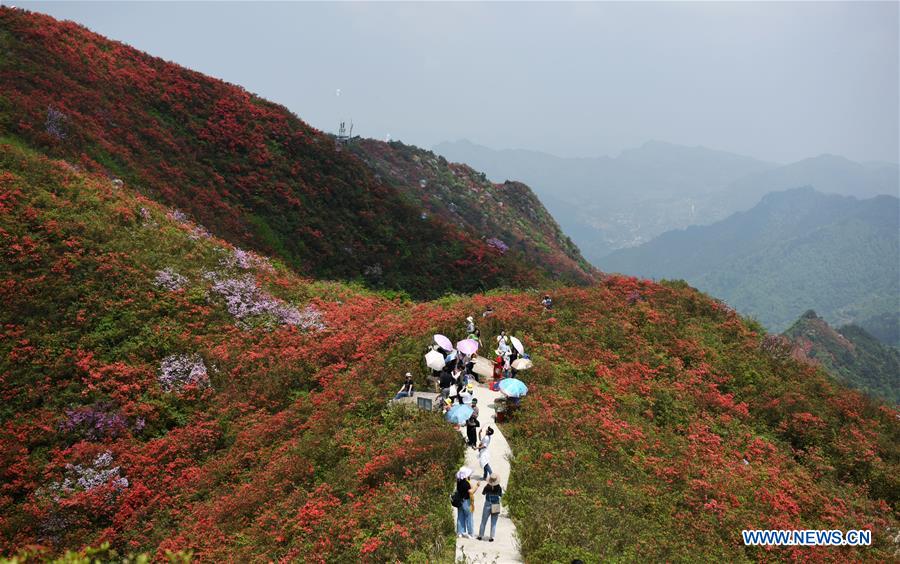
(472, 425)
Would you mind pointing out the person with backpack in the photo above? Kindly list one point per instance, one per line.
(470, 325)
(445, 380)
(464, 501)
(492, 493)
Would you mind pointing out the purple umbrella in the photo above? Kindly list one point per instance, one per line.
(467, 346)
(443, 342)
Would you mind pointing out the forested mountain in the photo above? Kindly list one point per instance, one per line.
(850, 354)
(241, 166)
(796, 250)
(507, 216)
(169, 393)
(608, 203)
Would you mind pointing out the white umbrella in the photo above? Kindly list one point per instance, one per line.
(434, 360)
(483, 367)
(518, 344)
(522, 364)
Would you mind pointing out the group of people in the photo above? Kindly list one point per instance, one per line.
(457, 380)
(464, 500)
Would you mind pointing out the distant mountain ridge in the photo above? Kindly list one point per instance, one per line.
(850, 354)
(609, 203)
(795, 250)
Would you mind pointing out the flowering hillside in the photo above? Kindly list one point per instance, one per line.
(164, 390)
(509, 217)
(246, 168)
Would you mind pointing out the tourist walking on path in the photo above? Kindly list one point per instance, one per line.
(492, 493)
(472, 425)
(465, 493)
(484, 456)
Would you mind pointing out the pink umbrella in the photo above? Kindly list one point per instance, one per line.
(443, 342)
(467, 346)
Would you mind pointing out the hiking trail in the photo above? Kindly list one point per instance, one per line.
(505, 548)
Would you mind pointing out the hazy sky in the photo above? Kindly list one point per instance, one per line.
(778, 81)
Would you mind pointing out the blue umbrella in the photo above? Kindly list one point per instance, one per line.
(459, 414)
(513, 387)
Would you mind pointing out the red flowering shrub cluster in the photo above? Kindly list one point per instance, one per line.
(657, 429)
(246, 168)
(149, 416)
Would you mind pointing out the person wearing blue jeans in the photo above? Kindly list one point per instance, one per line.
(465, 520)
(407, 390)
(492, 493)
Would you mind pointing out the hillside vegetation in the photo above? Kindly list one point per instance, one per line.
(508, 216)
(245, 168)
(850, 354)
(166, 389)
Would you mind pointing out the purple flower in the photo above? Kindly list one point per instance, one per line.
(94, 423)
(246, 301)
(245, 260)
(170, 280)
(55, 124)
(498, 244)
(179, 370)
(177, 215)
(86, 478)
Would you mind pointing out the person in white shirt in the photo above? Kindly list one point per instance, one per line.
(484, 457)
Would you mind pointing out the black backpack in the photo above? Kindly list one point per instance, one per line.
(454, 500)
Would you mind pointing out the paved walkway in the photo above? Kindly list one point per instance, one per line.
(505, 547)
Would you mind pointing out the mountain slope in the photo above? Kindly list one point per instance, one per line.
(164, 390)
(509, 216)
(850, 354)
(243, 167)
(795, 250)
